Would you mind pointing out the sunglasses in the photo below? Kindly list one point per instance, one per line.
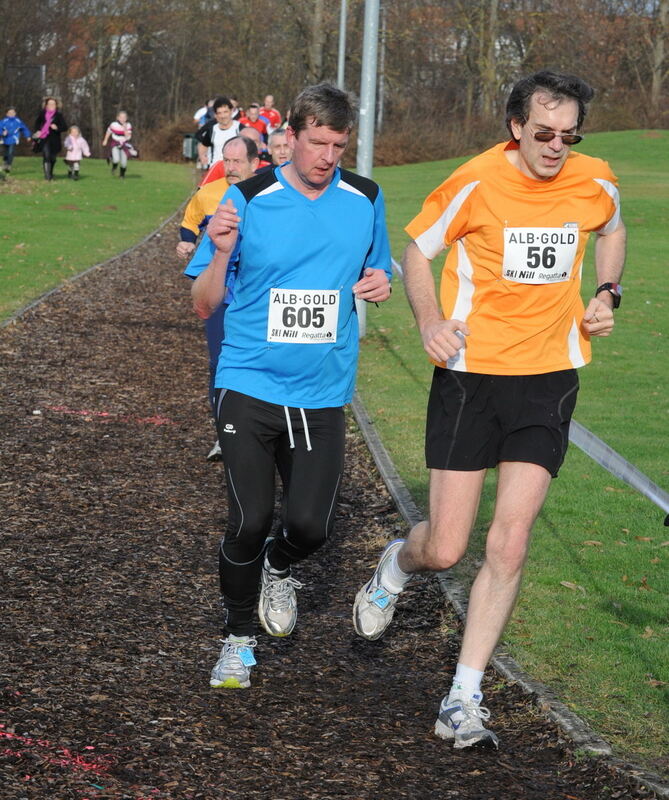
(548, 136)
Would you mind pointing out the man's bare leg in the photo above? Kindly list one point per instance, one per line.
(521, 491)
(433, 545)
(440, 542)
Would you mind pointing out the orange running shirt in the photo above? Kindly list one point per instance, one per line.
(513, 271)
(202, 205)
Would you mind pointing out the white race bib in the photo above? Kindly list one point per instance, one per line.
(303, 316)
(539, 255)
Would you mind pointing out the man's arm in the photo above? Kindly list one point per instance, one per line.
(184, 247)
(609, 264)
(208, 289)
(441, 338)
(374, 282)
(203, 134)
(190, 226)
(203, 138)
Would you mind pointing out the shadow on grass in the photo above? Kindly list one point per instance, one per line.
(387, 346)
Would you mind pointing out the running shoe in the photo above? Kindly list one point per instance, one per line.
(233, 668)
(461, 719)
(374, 605)
(215, 453)
(277, 606)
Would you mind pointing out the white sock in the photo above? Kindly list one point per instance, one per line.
(467, 680)
(392, 577)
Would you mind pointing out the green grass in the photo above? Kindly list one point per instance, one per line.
(52, 231)
(604, 644)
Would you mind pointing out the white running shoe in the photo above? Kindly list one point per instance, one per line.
(233, 668)
(374, 605)
(215, 453)
(277, 605)
(460, 719)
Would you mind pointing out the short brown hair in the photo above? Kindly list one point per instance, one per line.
(324, 104)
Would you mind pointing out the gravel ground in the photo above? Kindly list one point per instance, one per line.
(110, 618)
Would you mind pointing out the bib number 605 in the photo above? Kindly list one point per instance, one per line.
(303, 317)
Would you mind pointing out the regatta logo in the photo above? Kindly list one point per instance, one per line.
(229, 428)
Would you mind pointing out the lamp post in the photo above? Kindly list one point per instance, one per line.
(365, 156)
(341, 61)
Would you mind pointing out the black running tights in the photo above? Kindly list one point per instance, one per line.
(255, 440)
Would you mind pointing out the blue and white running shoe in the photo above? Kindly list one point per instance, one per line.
(233, 668)
(460, 719)
(374, 605)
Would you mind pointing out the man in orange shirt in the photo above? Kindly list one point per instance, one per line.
(506, 339)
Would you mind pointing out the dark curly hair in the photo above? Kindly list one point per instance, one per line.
(558, 85)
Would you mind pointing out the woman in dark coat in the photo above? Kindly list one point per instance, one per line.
(49, 126)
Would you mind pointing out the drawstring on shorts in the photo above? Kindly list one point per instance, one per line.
(290, 428)
(306, 428)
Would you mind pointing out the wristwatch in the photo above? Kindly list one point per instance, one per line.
(614, 289)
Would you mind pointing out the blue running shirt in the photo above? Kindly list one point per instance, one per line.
(291, 330)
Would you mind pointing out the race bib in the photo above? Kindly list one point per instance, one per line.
(539, 255)
(303, 316)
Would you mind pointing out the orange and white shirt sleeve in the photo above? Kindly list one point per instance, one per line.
(513, 270)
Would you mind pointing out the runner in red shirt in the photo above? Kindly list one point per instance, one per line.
(270, 113)
(252, 120)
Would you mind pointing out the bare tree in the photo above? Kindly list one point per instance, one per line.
(310, 19)
(659, 63)
(448, 63)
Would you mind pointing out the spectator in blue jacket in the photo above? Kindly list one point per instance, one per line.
(11, 127)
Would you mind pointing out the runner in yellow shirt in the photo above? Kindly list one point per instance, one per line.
(506, 342)
(198, 212)
(240, 156)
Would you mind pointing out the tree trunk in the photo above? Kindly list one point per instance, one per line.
(97, 122)
(658, 67)
(488, 62)
(315, 46)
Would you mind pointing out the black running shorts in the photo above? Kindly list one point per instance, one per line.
(475, 421)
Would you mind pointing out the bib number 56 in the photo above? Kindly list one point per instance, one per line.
(541, 257)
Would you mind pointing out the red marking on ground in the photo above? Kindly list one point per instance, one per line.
(106, 416)
(61, 757)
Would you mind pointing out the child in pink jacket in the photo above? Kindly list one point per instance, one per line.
(76, 147)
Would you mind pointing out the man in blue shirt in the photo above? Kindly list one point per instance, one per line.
(295, 246)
